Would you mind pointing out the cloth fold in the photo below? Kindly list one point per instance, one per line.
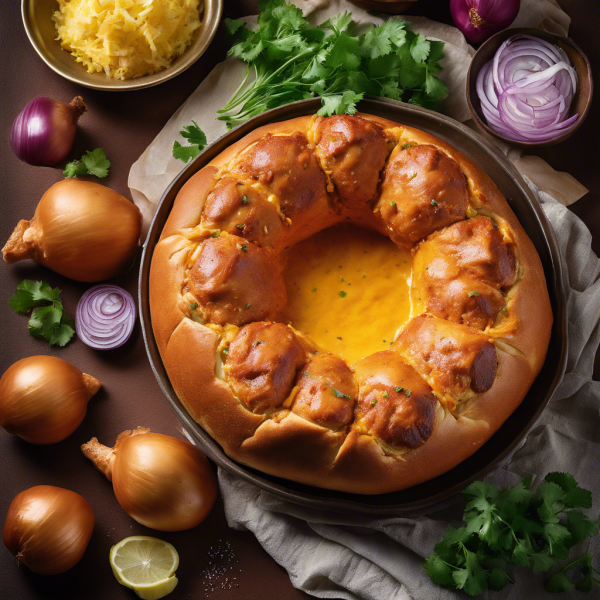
(330, 555)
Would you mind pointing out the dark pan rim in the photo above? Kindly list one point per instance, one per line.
(442, 490)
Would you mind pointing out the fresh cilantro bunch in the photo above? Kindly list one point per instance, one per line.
(48, 320)
(196, 142)
(516, 527)
(93, 162)
(292, 61)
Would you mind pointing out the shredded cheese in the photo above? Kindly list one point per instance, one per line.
(126, 38)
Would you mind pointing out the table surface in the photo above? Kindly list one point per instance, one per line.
(216, 562)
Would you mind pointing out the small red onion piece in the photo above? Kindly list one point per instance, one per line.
(105, 317)
(44, 131)
(526, 90)
(480, 19)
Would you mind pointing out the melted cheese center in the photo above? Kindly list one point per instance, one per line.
(348, 290)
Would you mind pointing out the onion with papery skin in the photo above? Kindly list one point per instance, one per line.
(48, 528)
(80, 229)
(105, 317)
(43, 399)
(44, 131)
(526, 90)
(162, 482)
(480, 19)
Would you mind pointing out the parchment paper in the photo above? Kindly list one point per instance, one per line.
(151, 174)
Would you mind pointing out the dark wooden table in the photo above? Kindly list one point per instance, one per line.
(123, 125)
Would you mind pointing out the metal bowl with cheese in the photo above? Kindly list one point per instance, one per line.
(120, 46)
(348, 303)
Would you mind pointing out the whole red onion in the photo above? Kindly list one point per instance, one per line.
(480, 19)
(44, 131)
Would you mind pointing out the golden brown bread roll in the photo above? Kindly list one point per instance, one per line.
(460, 363)
(462, 270)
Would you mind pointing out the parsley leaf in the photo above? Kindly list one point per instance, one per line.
(197, 141)
(93, 162)
(290, 60)
(47, 321)
(517, 527)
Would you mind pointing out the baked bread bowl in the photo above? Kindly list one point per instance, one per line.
(277, 401)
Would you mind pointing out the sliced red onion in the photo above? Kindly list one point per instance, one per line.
(105, 317)
(526, 90)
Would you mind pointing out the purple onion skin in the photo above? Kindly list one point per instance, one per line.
(480, 19)
(44, 131)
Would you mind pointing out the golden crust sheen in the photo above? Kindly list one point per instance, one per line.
(274, 400)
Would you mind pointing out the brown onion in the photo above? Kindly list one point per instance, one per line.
(43, 399)
(82, 230)
(48, 528)
(162, 482)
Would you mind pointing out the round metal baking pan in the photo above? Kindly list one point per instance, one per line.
(435, 493)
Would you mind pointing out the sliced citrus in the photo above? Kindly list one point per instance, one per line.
(145, 564)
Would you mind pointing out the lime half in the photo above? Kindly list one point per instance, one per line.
(145, 564)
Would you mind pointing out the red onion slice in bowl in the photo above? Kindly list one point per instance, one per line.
(105, 317)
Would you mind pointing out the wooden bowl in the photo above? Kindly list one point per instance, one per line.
(581, 101)
(41, 31)
(390, 7)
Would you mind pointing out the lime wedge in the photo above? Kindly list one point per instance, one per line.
(145, 564)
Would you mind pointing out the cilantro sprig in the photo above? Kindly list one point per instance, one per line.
(197, 141)
(93, 162)
(48, 320)
(290, 60)
(519, 527)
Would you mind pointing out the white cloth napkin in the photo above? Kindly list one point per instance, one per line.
(151, 174)
(330, 555)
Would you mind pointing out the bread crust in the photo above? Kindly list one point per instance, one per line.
(284, 444)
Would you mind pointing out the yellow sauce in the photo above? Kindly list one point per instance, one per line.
(348, 289)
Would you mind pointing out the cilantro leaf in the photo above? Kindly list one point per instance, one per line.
(439, 572)
(435, 88)
(580, 526)
(578, 497)
(420, 48)
(47, 321)
(75, 168)
(542, 562)
(233, 25)
(93, 162)
(96, 163)
(336, 104)
(559, 583)
(499, 579)
(32, 293)
(197, 141)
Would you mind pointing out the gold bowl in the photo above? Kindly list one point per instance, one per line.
(41, 30)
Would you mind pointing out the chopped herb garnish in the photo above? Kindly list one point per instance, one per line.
(258, 342)
(215, 234)
(225, 350)
(384, 342)
(338, 394)
(244, 200)
(196, 142)
(433, 203)
(373, 402)
(307, 374)
(408, 393)
(475, 293)
(412, 175)
(240, 225)
(343, 294)
(245, 248)
(386, 395)
(399, 389)
(248, 305)
(193, 305)
(314, 290)
(408, 145)
(339, 338)
(240, 183)
(393, 203)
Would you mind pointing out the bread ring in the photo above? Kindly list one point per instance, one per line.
(275, 398)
